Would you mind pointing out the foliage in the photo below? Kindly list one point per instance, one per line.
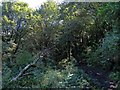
(107, 51)
(23, 58)
(74, 35)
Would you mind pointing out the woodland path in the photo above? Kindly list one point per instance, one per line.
(100, 78)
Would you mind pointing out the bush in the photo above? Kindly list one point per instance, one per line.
(107, 52)
(69, 77)
(23, 58)
(6, 75)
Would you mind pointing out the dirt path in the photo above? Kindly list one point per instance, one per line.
(99, 77)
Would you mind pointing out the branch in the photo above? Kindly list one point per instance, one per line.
(24, 70)
(22, 73)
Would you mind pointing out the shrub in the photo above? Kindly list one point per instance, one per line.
(23, 58)
(107, 51)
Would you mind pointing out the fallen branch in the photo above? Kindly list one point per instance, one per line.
(24, 70)
(39, 56)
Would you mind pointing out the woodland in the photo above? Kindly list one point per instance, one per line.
(70, 45)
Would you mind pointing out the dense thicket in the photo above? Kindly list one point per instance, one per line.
(65, 38)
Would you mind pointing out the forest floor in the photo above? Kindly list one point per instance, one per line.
(100, 78)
